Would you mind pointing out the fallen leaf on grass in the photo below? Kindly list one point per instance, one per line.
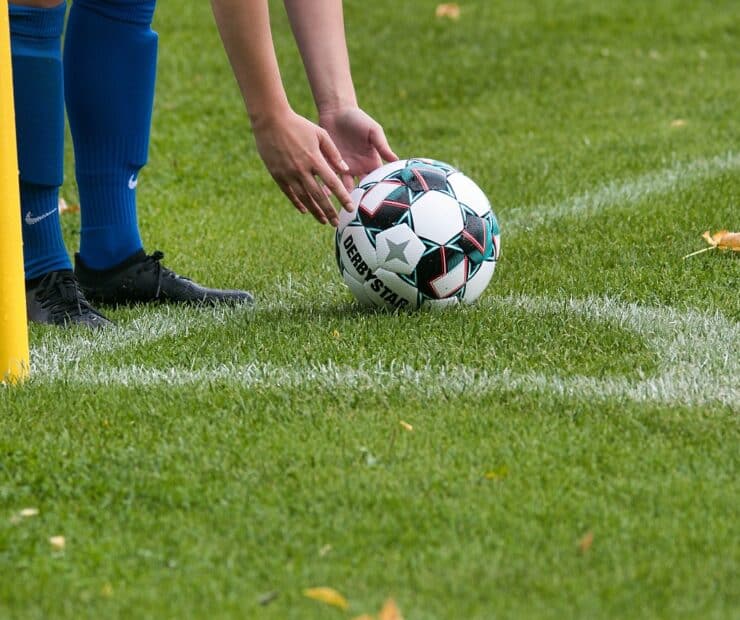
(390, 611)
(586, 541)
(724, 240)
(64, 207)
(406, 425)
(25, 513)
(57, 543)
(328, 596)
(678, 122)
(449, 10)
(721, 240)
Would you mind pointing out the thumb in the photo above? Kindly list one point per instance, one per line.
(380, 142)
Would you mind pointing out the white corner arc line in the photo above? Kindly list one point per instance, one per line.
(697, 352)
(696, 357)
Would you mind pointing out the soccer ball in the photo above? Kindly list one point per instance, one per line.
(422, 235)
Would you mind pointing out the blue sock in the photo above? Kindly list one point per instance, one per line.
(35, 40)
(110, 58)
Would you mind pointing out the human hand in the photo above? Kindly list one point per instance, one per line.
(360, 140)
(300, 156)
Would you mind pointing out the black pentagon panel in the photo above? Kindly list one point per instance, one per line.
(385, 216)
(475, 235)
(390, 212)
(435, 264)
(423, 177)
(430, 266)
(453, 257)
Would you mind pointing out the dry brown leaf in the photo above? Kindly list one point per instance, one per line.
(449, 10)
(57, 543)
(390, 611)
(64, 207)
(724, 240)
(586, 541)
(721, 240)
(328, 596)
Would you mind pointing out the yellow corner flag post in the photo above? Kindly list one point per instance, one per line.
(14, 360)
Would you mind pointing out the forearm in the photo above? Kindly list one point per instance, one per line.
(318, 27)
(244, 26)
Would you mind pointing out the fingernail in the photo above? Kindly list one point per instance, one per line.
(343, 165)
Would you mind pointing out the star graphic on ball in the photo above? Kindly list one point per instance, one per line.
(397, 251)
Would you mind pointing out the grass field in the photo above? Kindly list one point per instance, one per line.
(574, 443)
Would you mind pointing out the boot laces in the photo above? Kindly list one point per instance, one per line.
(152, 263)
(62, 296)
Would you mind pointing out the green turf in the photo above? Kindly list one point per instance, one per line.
(198, 460)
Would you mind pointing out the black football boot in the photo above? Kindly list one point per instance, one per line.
(142, 278)
(56, 299)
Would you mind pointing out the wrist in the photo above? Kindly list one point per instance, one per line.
(335, 105)
(270, 114)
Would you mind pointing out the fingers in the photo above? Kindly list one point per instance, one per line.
(329, 177)
(288, 191)
(336, 186)
(380, 142)
(309, 169)
(330, 151)
(309, 197)
(322, 208)
(348, 181)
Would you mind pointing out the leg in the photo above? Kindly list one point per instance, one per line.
(52, 293)
(35, 35)
(110, 57)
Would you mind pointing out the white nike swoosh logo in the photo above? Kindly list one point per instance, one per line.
(133, 182)
(30, 220)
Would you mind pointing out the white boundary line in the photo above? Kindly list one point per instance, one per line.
(621, 193)
(697, 361)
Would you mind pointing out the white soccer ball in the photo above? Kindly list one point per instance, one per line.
(422, 235)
